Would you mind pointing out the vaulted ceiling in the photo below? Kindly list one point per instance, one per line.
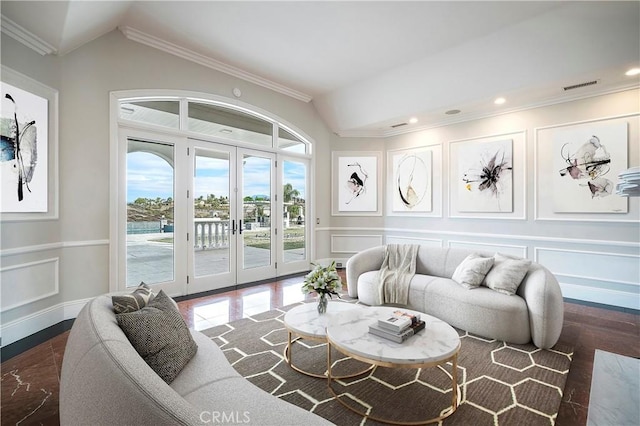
(370, 66)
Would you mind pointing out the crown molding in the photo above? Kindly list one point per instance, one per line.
(165, 46)
(30, 40)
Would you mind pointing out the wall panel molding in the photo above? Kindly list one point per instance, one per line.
(592, 265)
(397, 239)
(513, 250)
(478, 235)
(25, 283)
(354, 243)
(51, 246)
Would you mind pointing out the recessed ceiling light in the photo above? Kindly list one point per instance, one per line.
(499, 101)
(632, 72)
(413, 120)
(452, 112)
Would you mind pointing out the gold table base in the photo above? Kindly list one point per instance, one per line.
(288, 357)
(454, 385)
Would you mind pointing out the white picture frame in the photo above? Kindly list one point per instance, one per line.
(549, 163)
(356, 183)
(40, 197)
(411, 180)
(586, 161)
(474, 152)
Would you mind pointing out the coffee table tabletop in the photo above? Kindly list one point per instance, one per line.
(304, 320)
(350, 334)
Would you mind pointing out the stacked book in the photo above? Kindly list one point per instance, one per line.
(398, 327)
(629, 183)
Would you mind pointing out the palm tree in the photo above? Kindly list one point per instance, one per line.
(289, 193)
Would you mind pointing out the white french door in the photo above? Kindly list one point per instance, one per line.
(233, 194)
(203, 216)
(152, 213)
(212, 253)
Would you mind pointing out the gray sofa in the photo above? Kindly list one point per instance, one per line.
(535, 313)
(105, 382)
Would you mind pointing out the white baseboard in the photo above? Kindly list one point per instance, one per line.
(601, 295)
(30, 324)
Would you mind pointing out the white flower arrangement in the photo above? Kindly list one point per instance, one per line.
(323, 280)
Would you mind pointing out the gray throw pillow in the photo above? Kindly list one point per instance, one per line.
(160, 335)
(133, 301)
(507, 274)
(472, 270)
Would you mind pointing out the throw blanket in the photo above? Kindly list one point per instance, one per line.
(397, 270)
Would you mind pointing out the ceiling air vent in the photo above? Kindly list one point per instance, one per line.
(398, 125)
(577, 86)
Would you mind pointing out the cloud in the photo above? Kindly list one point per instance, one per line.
(148, 176)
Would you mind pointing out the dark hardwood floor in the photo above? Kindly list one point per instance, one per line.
(30, 380)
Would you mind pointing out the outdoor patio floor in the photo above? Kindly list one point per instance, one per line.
(152, 261)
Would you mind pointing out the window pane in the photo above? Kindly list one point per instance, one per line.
(293, 195)
(150, 182)
(160, 113)
(256, 215)
(230, 124)
(211, 209)
(289, 142)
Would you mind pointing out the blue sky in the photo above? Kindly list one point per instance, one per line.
(149, 176)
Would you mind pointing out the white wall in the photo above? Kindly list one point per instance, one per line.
(79, 239)
(595, 259)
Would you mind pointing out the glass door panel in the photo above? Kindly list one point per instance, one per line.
(213, 244)
(150, 248)
(255, 198)
(294, 217)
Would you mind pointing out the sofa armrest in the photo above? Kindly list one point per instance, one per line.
(541, 291)
(364, 261)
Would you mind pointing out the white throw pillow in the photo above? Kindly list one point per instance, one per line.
(507, 274)
(472, 270)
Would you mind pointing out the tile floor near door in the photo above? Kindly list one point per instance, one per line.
(30, 380)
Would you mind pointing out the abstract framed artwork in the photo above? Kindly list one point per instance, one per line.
(356, 183)
(28, 148)
(410, 181)
(587, 159)
(487, 177)
(577, 167)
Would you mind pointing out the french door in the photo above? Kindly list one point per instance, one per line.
(203, 215)
(233, 226)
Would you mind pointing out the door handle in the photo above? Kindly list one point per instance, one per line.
(240, 226)
(233, 227)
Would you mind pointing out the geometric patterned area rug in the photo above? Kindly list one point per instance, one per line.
(498, 383)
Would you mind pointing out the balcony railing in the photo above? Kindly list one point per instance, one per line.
(210, 233)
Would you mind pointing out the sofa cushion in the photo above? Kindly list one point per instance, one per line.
(507, 274)
(160, 336)
(132, 302)
(471, 272)
(483, 312)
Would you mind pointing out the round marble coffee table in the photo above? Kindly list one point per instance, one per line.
(304, 322)
(437, 344)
